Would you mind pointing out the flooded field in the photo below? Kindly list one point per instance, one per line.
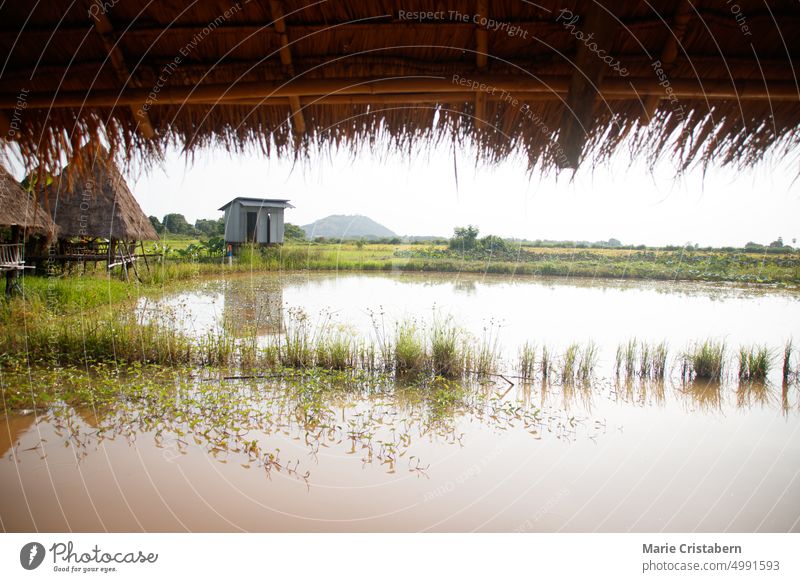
(553, 312)
(205, 450)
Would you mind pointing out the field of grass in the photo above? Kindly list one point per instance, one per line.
(673, 265)
(91, 318)
(72, 292)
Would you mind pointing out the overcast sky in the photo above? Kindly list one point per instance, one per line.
(420, 197)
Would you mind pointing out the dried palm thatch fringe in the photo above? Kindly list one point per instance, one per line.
(18, 208)
(95, 201)
(734, 75)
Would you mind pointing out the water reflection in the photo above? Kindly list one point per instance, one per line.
(324, 451)
(252, 309)
(705, 395)
(519, 309)
(11, 427)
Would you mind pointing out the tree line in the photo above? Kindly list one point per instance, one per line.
(175, 223)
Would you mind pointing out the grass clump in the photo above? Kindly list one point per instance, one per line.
(526, 365)
(545, 364)
(787, 364)
(641, 359)
(588, 361)
(446, 358)
(754, 363)
(704, 361)
(659, 360)
(337, 353)
(297, 351)
(483, 361)
(409, 350)
(578, 362)
(626, 359)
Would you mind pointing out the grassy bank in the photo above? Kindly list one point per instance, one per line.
(89, 333)
(659, 264)
(730, 265)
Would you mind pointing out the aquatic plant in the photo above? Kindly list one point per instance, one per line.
(659, 360)
(409, 350)
(336, 352)
(754, 363)
(446, 358)
(787, 364)
(526, 365)
(625, 361)
(704, 361)
(297, 350)
(588, 361)
(216, 348)
(545, 363)
(569, 362)
(642, 359)
(483, 361)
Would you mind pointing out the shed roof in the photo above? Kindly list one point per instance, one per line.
(558, 81)
(260, 202)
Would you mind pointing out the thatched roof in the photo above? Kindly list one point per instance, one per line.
(17, 207)
(95, 202)
(558, 82)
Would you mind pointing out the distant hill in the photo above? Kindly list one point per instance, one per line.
(347, 227)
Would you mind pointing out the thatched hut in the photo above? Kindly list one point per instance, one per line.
(555, 82)
(97, 216)
(21, 218)
(19, 211)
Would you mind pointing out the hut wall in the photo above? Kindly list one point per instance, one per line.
(234, 226)
(269, 224)
(276, 226)
(262, 226)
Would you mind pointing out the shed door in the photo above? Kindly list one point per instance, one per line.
(252, 218)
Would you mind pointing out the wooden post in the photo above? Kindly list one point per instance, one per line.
(130, 254)
(144, 256)
(577, 121)
(12, 274)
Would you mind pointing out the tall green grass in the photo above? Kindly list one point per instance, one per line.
(754, 363)
(526, 365)
(786, 371)
(482, 356)
(578, 362)
(638, 358)
(409, 350)
(704, 361)
(447, 354)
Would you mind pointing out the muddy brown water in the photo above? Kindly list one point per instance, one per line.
(606, 457)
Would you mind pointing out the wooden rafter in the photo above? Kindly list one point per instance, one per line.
(5, 125)
(584, 86)
(526, 88)
(669, 53)
(739, 67)
(105, 30)
(712, 17)
(298, 119)
(481, 61)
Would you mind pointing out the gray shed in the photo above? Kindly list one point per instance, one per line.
(254, 220)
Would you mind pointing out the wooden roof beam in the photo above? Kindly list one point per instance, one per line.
(584, 86)
(543, 87)
(677, 30)
(298, 119)
(5, 125)
(481, 61)
(105, 30)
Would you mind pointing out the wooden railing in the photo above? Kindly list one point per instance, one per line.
(12, 257)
